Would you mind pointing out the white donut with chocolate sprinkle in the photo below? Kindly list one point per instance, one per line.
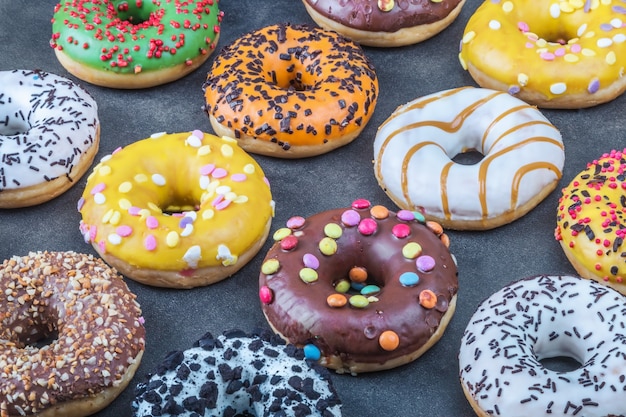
(238, 374)
(49, 136)
(541, 318)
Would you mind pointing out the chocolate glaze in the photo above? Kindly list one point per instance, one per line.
(299, 310)
(89, 314)
(367, 15)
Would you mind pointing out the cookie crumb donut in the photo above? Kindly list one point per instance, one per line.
(291, 91)
(238, 374)
(591, 220)
(49, 136)
(360, 288)
(554, 54)
(540, 318)
(134, 44)
(385, 23)
(522, 157)
(71, 335)
(178, 222)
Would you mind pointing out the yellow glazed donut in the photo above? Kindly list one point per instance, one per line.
(551, 53)
(591, 220)
(177, 210)
(522, 157)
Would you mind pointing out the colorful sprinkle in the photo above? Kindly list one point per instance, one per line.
(333, 230)
(312, 352)
(270, 266)
(389, 340)
(427, 299)
(359, 301)
(367, 227)
(310, 261)
(308, 275)
(409, 279)
(328, 246)
(336, 300)
(425, 263)
(266, 295)
(350, 218)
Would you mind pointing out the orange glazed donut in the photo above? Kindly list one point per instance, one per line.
(361, 289)
(385, 23)
(591, 220)
(291, 91)
(555, 54)
(177, 210)
(134, 43)
(71, 335)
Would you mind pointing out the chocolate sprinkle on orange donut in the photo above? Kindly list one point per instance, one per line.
(291, 91)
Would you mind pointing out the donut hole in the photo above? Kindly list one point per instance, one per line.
(468, 157)
(287, 79)
(130, 12)
(358, 281)
(561, 364)
(14, 126)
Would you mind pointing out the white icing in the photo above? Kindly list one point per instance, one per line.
(547, 317)
(46, 124)
(238, 376)
(418, 140)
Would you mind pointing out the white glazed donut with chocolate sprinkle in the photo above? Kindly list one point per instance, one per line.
(49, 136)
(238, 374)
(539, 318)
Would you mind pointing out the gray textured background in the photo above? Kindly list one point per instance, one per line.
(175, 319)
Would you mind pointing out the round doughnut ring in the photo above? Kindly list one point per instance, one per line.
(291, 91)
(361, 288)
(591, 220)
(177, 222)
(385, 23)
(134, 44)
(49, 136)
(237, 374)
(565, 54)
(546, 317)
(71, 335)
(522, 157)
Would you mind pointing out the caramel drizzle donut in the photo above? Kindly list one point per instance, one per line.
(522, 160)
(362, 289)
(538, 318)
(134, 44)
(96, 329)
(385, 23)
(49, 136)
(554, 54)
(177, 222)
(591, 220)
(291, 91)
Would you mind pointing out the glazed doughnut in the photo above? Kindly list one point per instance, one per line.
(49, 136)
(522, 157)
(385, 23)
(565, 54)
(177, 222)
(134, 44)
(238, 374)
(71, 335)
(591, 220)
(360, 288)
(541, 318)
(291, 91)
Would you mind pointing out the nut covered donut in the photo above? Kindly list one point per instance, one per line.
(134, 44)
(563, 54)
(522, 157)
(545, 317)
(49, 136)
(291, 91)
(237, 374)
(360, 288)
(71, 335)
(591, 220)
(385, 23)
(177, 210)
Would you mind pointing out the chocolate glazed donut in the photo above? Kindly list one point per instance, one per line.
(385, 23)
(361, 288)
